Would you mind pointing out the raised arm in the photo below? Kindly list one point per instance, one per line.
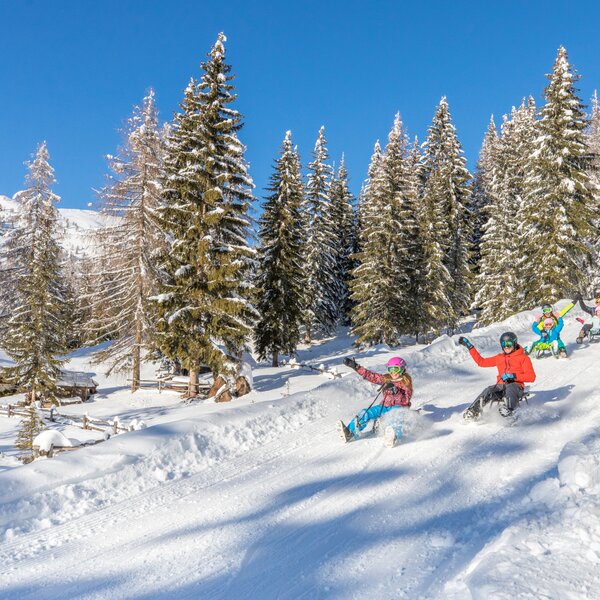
(370, 376)
(480, 360)
(560, 324)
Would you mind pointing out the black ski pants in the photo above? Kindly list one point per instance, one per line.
(510, 392)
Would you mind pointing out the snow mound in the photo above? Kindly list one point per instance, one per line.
(51, 438)
(579, 465)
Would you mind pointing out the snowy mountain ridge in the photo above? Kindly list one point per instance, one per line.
(76, 225)
(258, 498)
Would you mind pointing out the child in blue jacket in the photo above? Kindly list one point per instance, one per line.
(550, 334)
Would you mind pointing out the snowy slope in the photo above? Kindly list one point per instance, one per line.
(259, 499)
(75, 225)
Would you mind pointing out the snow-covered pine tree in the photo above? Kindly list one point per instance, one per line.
(364, 206)
(364, 284)
(419, 309)
(481, 194)
(280, 277)
(204, 309)
(593, 140)
(381, 282)
(30, 426)
(322, 286)
(557, 221)
(518, 148)
(398, 231)
(342, 210)
(499, 286)
(36, 336)
(126, 270)
(446, 195)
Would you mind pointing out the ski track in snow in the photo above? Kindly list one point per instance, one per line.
(460, 511)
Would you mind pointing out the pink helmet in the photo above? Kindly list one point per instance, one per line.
(396, 361)
(548, 323)
(597, 309)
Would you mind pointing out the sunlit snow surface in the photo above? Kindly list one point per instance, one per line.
(259, 499)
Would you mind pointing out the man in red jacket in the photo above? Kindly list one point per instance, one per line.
(514, 370)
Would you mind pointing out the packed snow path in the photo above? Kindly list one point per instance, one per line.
(459, 511)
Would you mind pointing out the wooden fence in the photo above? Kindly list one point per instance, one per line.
(169, 384)
(53, 416)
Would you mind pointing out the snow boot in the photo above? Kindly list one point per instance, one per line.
(562, 353)
(344, 433)
(579, 339)
(357, 431)
(389, 437)
(472, 413)
(505, 411)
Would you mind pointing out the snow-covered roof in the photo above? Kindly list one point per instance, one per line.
(76, 379)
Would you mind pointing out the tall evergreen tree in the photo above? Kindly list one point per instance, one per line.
(558, 217)
(36, 336)
(280, 279)
(382, 280)
(446, 194)
(322, 286)
(342, 203)
(364, 285)
(204, 309)
(499, 282)
(481, 195)
(593, 140)
(419, 308)
(126, 267)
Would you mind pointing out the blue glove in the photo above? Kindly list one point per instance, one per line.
(508, 377)
(463, 341)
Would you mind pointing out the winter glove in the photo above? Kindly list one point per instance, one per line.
(350, 362)
(544, 334)
(463, 341)
(389, 387)
(508, 377)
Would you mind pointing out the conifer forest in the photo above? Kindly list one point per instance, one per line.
(194, 265)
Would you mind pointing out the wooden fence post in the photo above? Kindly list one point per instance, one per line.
(85, 421)
(9, 411)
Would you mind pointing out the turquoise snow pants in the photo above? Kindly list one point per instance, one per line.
(366, 415)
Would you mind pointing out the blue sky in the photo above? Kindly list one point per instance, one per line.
(71, 72)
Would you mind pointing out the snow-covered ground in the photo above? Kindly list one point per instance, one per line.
(258, 498)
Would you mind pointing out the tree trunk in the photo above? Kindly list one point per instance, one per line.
(193, 384)
(307, 334)
(137, 350)
(275, 359)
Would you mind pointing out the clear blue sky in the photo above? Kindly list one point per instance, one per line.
(70, 72)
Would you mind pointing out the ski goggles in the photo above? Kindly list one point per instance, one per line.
(507, 344)
(547, 310)
(597, 300)
(395, 369)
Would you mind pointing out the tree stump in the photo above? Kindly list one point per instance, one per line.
(242, 387)
(220, 390)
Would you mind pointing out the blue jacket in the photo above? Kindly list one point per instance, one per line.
(553, 334)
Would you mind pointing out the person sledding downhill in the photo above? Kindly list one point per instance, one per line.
(397, 391)
(514, 370)
(549, 337)
(590, 329)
